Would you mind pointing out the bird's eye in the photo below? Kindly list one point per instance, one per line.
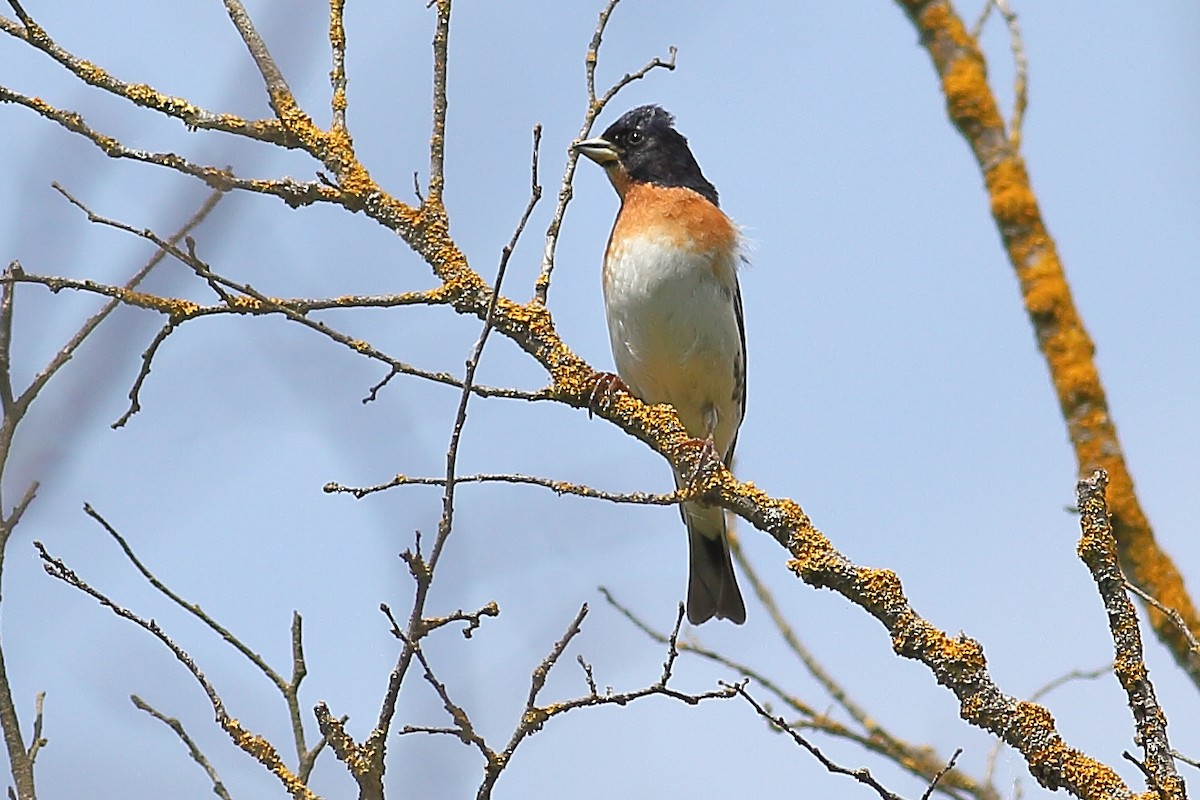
(633, 137)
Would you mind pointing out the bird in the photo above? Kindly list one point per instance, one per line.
(675, 320)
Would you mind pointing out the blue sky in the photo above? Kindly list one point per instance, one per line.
(895, 389)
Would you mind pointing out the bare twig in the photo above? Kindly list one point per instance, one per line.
(251, 302)
(423, 569)
(462, 723)
(981, 20)
(294, 193)
(37, 741)
(473, 619)
(257, 747)
(1170, 613)
(941, 774)
(289, 689)
(535, 716)
(862, 774)
(919, 761)
(1098, 549)
(277, 87)
(1021, 78)
(193, 750)
(559, 487)
(595, 106)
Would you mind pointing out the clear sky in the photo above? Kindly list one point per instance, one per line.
(895, 389)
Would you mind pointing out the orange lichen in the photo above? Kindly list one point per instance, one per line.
(1012, 199)
(968, 97)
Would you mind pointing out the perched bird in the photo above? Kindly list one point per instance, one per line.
(674, 313)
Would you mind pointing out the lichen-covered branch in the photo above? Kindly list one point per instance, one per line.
(1061, 335)
(1098, 549)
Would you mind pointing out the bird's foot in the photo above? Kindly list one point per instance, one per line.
(604, 386)
(704, 459)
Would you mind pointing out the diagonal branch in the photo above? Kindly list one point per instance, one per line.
(1061, 335)
(277, 87)
(194, 117)
(252, 744)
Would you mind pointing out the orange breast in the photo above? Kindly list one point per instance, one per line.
(681, 217)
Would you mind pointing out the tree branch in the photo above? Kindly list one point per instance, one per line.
(1061, 335)
(1098, 549)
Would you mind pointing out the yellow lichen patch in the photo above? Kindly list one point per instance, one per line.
(881, 588)
(337, 30)
(1031, 721)
(965, 652)
(936, 18)
(245, 303)
(91, 73)
(175, 307)
(1012, 199)
(1130, 670)
(968, 97)
(1087, 777)
(339, 100)
(1043, 283)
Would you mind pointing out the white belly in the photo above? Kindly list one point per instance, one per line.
(675, 334)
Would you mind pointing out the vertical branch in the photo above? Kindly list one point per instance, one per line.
(20, 765)
(369, 771)
(437, 136)
(337, 75)
(6, 319)
(1098, 549)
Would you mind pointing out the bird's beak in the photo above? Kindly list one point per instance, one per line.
(598, 149)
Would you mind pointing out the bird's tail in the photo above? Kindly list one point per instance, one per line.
(712, 587)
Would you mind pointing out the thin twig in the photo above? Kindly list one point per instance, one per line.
(422, 569)
(192, 608)
(294, 193)
(252, 744)
(981, 20)
(252, 302)
(862, 774)
(595, 106)
(37, 741)
(1171, 614)
(473, 619)
(941, 774)
(193, 750)
(557, 486)
(289, 689)
(1021, 76)
(535, 716)
(277, 87)
(919, 761)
